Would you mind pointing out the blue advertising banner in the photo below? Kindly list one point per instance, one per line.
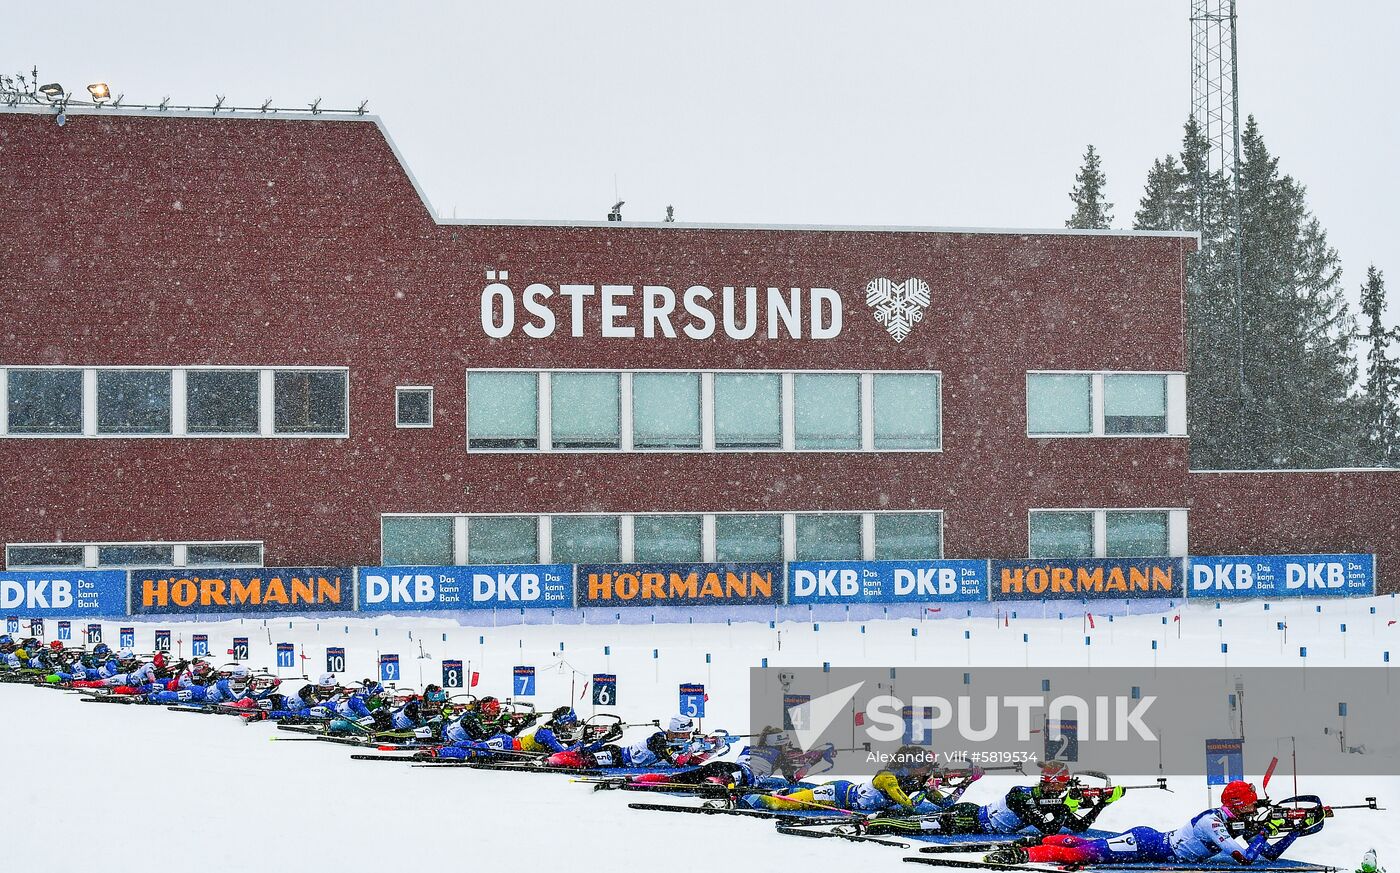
(397, 589)
(77, 592)
(886, 581)
(1282, 576)
(678, 584)
(241, 590)
(1085, 578)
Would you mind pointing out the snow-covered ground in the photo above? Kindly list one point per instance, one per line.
(150, 786)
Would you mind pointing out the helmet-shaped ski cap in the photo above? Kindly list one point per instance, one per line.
(1238, 798)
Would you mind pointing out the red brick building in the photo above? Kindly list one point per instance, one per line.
(249, 339)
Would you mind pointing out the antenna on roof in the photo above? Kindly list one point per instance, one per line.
(316, 107)
(266, 103)
(361, 110)
(217, 105)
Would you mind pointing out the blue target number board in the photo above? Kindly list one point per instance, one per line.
(693, 700)
(604, 689)
(286, 655)
(389, 668)
(523, 684)
(451, 674)
(1224, 761)
(199, 646)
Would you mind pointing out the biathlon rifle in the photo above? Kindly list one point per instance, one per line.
(1304, 813)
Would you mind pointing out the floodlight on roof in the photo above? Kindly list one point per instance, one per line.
(53, 90)
(100, 91)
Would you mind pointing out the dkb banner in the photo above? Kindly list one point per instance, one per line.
(1086, 578)
(1282, 576)
(76, 592)
(886, 581)
(244, 590)
(678, 584)
(398, 589)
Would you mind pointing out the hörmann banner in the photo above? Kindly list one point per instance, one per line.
(532, 586)
(245, 590)
(678, 584)
(72, 592)
(1085, 578)
(1282, 576)
(886, 581)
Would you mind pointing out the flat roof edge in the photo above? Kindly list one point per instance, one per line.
(1310, 470)
(246, 114)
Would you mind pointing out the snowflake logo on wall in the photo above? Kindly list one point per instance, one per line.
(898, 305)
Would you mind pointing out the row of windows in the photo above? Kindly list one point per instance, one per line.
(1110, 533)
(173, 401)
(530, 410)
(579, 410)
(1105, 404)
(659, 538)
(229, 554)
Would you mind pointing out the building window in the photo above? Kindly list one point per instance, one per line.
(1062, 535)
(45, 402)
(666, 410)
(908, 536)
(907, 413)
(1136, 534)
(309, 402)
(827, 411)
(17, 557)
(222, 402)
(224, 555)
(133, 401)
(585, 539)
(748, 411)
(422, 540)
(503, 411)
(749, 537)
(829, 537)
(136, 555)
(667, 539)
(585, 409)
(503, 539)
(413, 407)
(1059, 403)
(1108, 533)
(1134, 403)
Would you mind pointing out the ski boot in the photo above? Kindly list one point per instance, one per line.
(1007, 855)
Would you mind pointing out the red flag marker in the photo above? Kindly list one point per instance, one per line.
(1090, 616)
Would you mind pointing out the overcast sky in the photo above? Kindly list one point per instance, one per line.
(933, 112)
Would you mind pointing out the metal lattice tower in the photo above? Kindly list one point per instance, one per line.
(1215, 80)
(1215, 105)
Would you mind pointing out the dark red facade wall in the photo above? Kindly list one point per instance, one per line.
(1299, 512)
(184, 240)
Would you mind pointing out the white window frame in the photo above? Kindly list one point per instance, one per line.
(179, 552)
(1176, 405)
(1177, 519)
(432, 412)
(627, 531)
(707, 412)
(179, 403)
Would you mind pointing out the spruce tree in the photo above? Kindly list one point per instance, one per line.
(1091, 210)
(1161, 207)
(1299, 369)
(1291, 330)
(1380, 399)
